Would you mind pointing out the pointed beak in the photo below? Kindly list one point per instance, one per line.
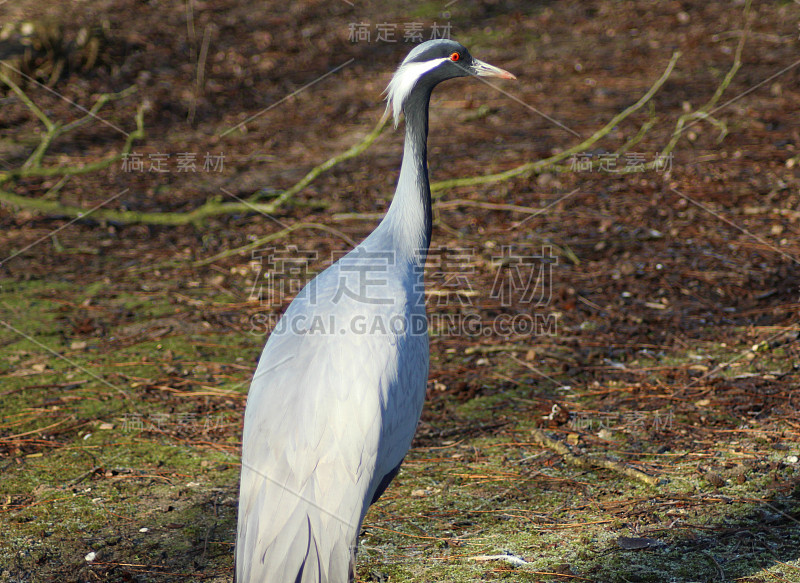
(482, 69)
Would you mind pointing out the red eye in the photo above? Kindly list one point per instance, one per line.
(454, 57)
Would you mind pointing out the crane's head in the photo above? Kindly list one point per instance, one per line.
(433, 62)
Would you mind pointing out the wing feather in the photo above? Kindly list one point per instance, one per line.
(328, 416)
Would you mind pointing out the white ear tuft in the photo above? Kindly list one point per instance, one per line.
(403, 82)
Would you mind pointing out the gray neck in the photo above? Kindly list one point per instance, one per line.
(409, 219)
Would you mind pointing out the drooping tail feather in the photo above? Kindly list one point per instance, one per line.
(284, 537)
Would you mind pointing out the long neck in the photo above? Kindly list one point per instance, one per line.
(409, 217)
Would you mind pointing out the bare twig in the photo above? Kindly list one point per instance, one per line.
(48, 123)
(33, 169)
(86, 474)
(704, 112)
(312, 175)
(593, 463)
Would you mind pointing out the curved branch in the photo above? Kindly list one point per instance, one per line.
(584, 462)
(704, 112)
(213, 208)
(316, 171)
(46, 121)
(539, 165)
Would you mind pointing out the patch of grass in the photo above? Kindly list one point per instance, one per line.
(85, 469)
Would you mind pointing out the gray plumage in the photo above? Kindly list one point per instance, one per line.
(339, 388)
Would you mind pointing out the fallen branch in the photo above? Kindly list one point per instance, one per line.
(327, 165)
(591, 463)
(540, 165)
(704, 112)
(32, 167)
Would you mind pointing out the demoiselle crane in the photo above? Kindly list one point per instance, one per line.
(338, 391)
